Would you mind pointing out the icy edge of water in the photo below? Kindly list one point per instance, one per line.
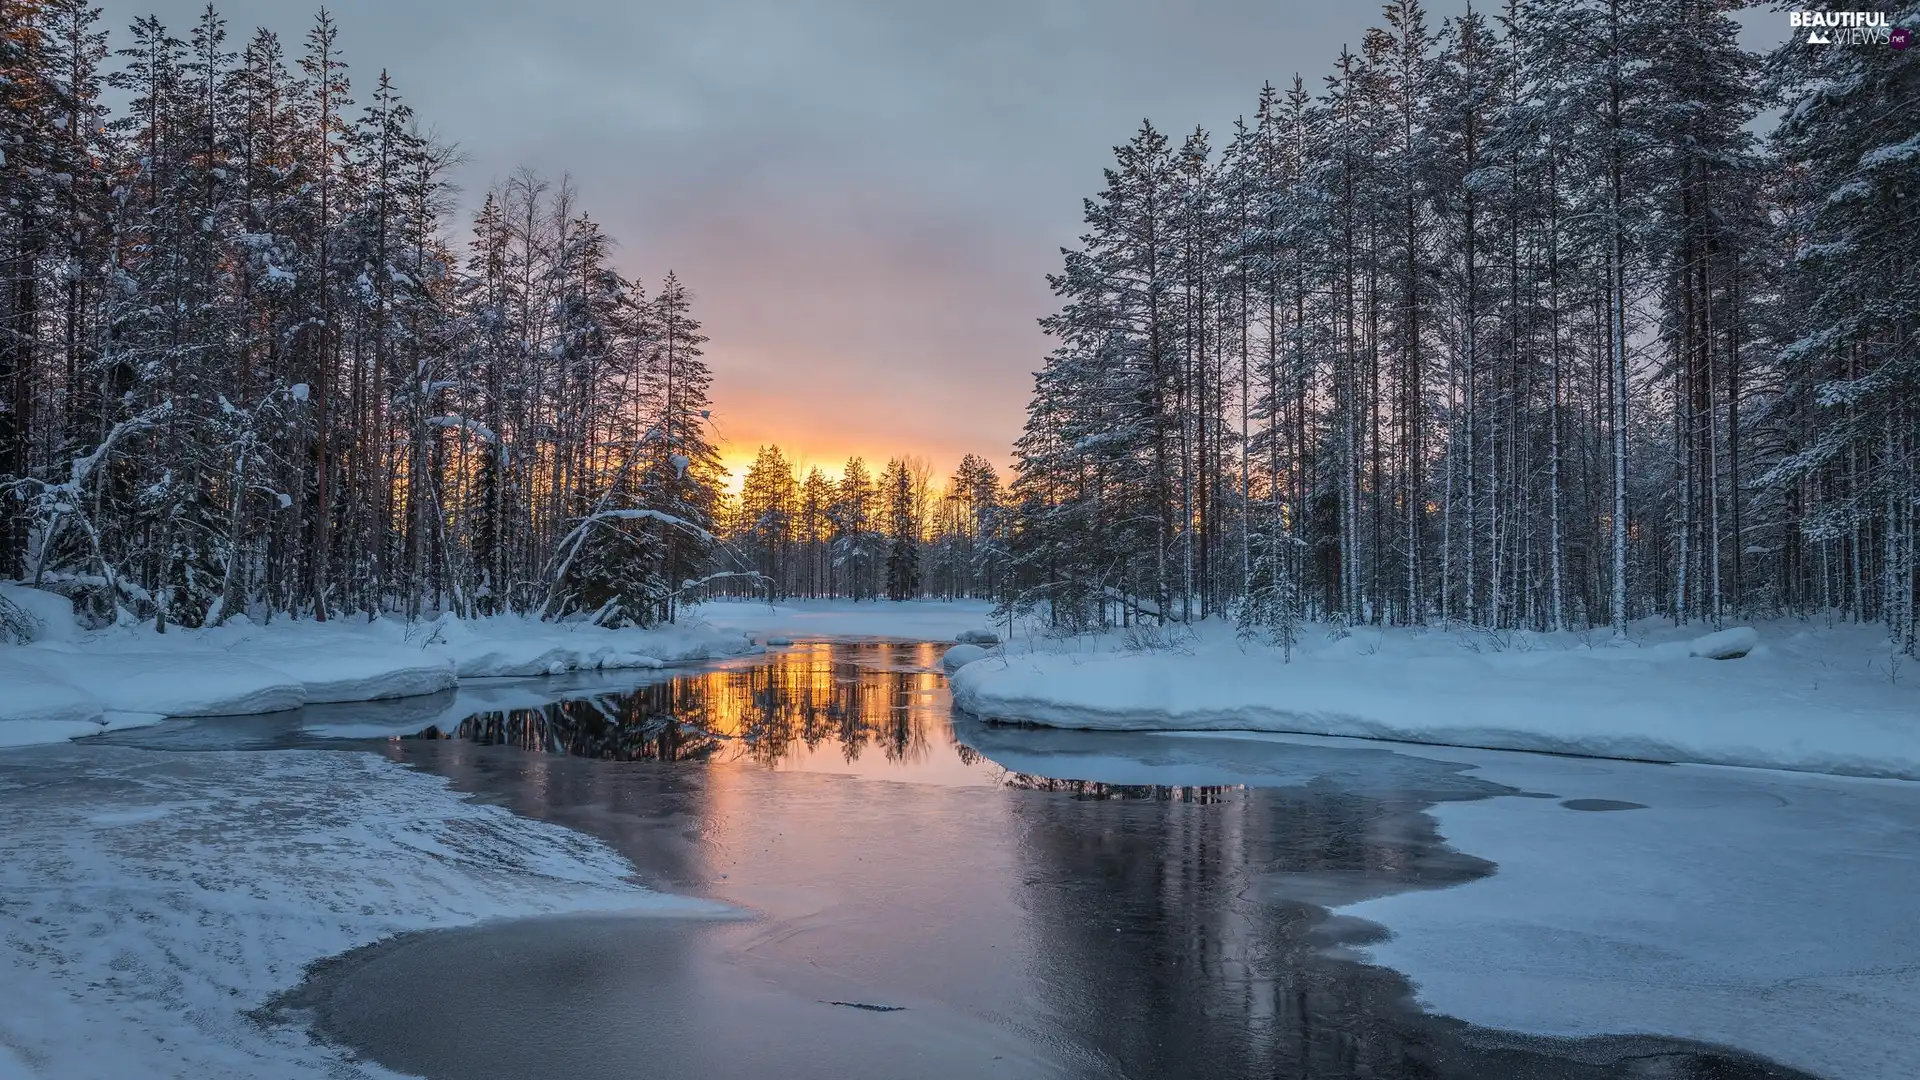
(149, 903)
(1770, 912)
(1806, 708)
(69, 686)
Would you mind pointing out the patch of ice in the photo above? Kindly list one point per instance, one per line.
(1765, 911)
(152, 900)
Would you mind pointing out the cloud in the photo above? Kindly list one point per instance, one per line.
(865, 195)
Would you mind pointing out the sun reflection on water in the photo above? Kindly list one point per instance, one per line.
(875, 709)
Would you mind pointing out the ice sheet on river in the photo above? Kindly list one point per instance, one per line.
(148, 901)
(1767, 911)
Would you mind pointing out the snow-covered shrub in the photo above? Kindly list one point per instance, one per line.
(28, 614)
(960, 656)
(17, 627)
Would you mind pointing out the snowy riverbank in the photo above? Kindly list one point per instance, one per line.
(907, 620)
(67, 683)
(1809, 698)
(153, 900)
(1764, 911)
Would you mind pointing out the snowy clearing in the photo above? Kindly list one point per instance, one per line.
(912, 620)
(1815, 699)
(67, 684)
(149, 901)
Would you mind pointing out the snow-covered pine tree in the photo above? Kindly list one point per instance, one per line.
(768, 526)
(901, 522)
(1849, 475)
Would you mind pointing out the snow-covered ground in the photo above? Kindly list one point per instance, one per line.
(1760, 910)
(912, 620)
(66, 684)
(150, 901)
(1812, 698)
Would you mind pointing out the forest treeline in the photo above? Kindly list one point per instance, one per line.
(1522, 321)
(1556, 315)
(243, 368)
(865, 537)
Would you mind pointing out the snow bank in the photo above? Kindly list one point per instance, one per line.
(174, 682)
(154, 900)
(509, 647)
(52, 614)
(348, 673)
(1829, 701)
(1725, 644)
(64, 684)
(960, 656)
(36, 706)
(1764, 911)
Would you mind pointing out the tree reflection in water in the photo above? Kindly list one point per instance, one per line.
(879, 696)
(1164, 931)
(1204, 794)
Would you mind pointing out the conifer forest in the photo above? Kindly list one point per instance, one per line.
(1551, 316)
(251, 364)
(1548, 315)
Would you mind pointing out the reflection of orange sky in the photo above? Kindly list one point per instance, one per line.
(801, 711)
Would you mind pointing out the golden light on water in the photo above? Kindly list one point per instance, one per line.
(807, 707)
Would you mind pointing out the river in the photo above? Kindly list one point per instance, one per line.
(921, 895)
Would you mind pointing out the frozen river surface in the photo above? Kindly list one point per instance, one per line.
(840, 881)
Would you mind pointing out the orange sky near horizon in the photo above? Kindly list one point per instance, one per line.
(939, 367)
(828, 452)
(827, 445)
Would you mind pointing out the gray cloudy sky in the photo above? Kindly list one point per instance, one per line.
(864, 196)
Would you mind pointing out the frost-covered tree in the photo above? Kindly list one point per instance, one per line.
(1514, 323)
(244, 370)
(901, 525)
(1846, 473)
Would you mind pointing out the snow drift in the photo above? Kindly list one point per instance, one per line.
(155, 900)
(65, 684)
(1828, 702)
